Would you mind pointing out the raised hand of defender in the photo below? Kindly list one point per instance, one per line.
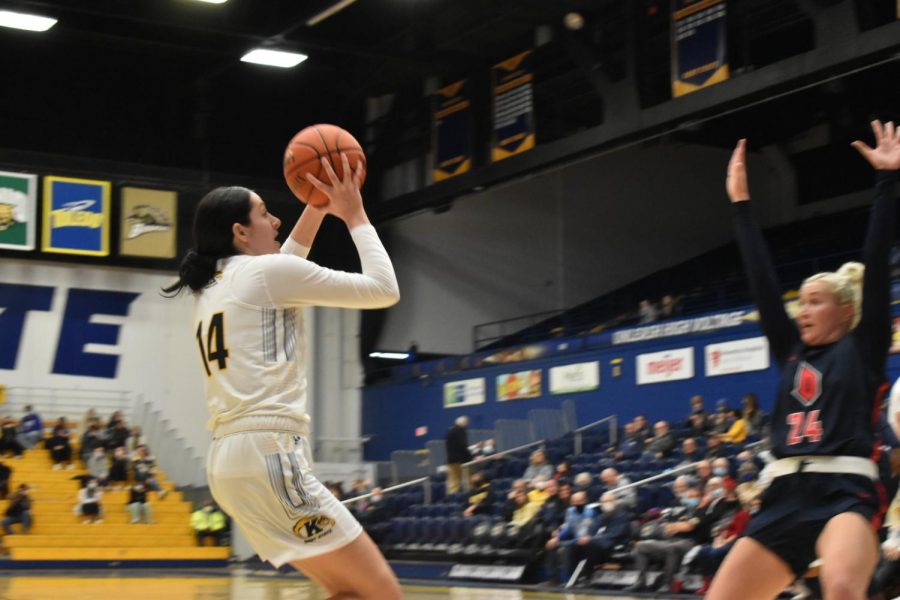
(886, 153)
(736, 181)
(345, 199)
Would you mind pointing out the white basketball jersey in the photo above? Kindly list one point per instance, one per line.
(248, 324)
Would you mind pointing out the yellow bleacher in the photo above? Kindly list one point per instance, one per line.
(58, 534)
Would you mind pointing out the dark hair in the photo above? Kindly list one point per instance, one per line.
(751, 404)
(216, 213)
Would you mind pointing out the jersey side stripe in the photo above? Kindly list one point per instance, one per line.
(290, 333)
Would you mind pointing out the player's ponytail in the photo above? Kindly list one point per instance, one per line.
(846, 285)
(216, 214)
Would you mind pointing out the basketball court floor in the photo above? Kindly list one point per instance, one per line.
(231, 585)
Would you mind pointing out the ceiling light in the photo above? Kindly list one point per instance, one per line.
(274, 58)
(213, 1)
(389, 355)
(25, 21)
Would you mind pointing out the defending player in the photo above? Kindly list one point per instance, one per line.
(824, 498)
(248, 323)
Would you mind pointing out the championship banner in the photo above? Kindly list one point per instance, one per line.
(149, 223)
(464, 393)
(452, 131)
(698, 45)
(738, 356)
(525, 384)
(669, 365)
(513, 107)
(578, 377)
(76, 216)
(18, 210)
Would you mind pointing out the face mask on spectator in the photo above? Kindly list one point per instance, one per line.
(691, 502)
(608, 507)
(754, 510)
(747, 477)
(376, 498)
(717, 493)
(720, 471)
(92, 486)
(579, 508)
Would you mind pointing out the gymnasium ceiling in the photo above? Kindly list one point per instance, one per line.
(159, 82)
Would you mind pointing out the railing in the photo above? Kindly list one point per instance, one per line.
(495, 456)
(425, 481)
(613, 420)
(485, 333)
(52, 403)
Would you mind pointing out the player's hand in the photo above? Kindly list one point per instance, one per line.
(736, 181)
(886, 153)
(345, 199)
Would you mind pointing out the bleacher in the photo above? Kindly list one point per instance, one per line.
(58, 537)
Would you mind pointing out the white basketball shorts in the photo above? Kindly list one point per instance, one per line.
(263, 480)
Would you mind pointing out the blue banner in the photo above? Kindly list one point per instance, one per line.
(76, 216)
(699, 53)
(513, 109)
(452, 131)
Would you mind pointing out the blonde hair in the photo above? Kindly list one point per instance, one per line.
(846, 286)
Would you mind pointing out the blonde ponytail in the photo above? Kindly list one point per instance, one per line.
(846, 285)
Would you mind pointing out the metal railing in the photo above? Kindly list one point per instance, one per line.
(613, 432)
(482, 460)
(425, 481)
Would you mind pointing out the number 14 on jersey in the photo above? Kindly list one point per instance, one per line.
(214, 350)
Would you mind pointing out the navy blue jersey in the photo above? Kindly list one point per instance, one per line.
(829, 396)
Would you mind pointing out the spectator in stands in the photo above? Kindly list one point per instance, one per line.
(117, 437)
(668, 308)
(457, 453)
(360, 487)
(663, 443)
(698, 414)
(690, 453)
(523, 509)
(481, 496)
(88, 505)
(737, 428)
(31, 429)
(58, 443)
(568, 544)
(138, 506)
(118, 469)
(680, 487)
(135, 440)
(538, 466)
(90, 417)
(9, 441)
(710, 556)
(208, 522)
(703, 472)
(562, 471)
(613, 529)
(679, 536)
(18, 510)
(91, 440)
(714, 447)
(583, 483)
(335, 487)
(627, 498)
(647, 312)
(374, 509)
(144, 467)
(721, 467)
(5, 475)
(114, 420)
(538, 494)
(642, 428)
(553, 511)
(97, 466)
(632, 446)
(719, 421)
(754, 416)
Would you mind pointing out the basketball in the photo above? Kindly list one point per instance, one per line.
(304, 153)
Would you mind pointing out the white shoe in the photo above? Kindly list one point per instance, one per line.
(98, 521)
(69, 467)
(135, 521)
(85, 522)
(800, 591)
(57, 467)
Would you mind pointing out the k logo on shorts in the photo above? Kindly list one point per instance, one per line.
(312, 528)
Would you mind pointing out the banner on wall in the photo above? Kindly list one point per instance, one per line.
(149, 223)
(739, 356)
(76, 216)
(464, 393)
(513, 107)
(18, 210)
(452, 130)
(578, 377)
(524, 384)
(699, 49)
(684, 327)
(668, 365)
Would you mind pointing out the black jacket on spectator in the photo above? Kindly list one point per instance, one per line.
(5, 474)
(631, 447)
(458, 446)
(18, 504)
(664, 445)
(553, 512)
(136, 496)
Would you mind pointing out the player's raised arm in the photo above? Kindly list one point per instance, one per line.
(764, 287)
(874, 329)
